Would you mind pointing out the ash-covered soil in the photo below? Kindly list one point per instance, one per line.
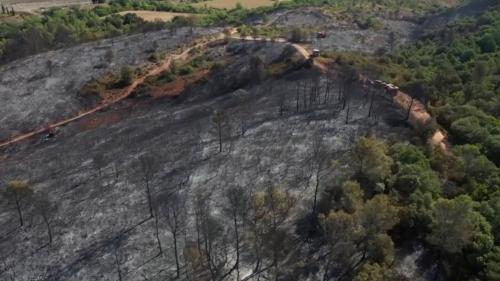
(385, 35)
(46, 87)
(91, 169)
(102, 217)
(344, 35)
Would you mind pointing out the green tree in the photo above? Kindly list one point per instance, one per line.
(493, 265)
(378, 215)
(487, 43)
(352, 197)
(454, 223)
(371, 160)
(373, 272)
(381, 249)
(126, 76)
(491, 210)
(480, 72)
(272, 208)
(412, 177)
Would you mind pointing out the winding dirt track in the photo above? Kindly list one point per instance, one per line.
(124, 93)
(418, 113)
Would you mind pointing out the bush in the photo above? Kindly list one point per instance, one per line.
(468, 130)
(487, 43)
(298, 35)
(186, 70)
(126, 76)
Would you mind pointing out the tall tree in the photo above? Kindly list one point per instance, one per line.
(46, 209)
(237, 210)
(371, 160)
(453, 224)
(18, 192)
(172, 207)
(319, 159)
(221, 126)
(148, 167)
(271, 209)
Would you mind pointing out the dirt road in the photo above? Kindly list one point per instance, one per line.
(153, 71)
(419, 117)
(418, 113)
(123, 94)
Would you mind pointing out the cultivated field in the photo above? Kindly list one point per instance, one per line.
(153, 15)
(229, 4)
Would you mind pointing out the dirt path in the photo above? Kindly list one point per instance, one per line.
(300, 49)
(123, 94)
(418, 114)
(420, 117)
(152, 71)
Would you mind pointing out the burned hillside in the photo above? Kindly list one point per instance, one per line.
(105, 180)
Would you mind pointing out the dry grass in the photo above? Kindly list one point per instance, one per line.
(153, 15)
(35, 5)
(230, 4)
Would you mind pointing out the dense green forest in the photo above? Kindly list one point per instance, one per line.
(450, 199)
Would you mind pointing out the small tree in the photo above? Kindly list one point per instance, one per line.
(236, 210)
(298, 35)
(99, 163)
(318, 158)
(116, 244)
(18, 191)
(256, 71)
(148, 168)
(126, 76)
(46, 210)
(227, 34)
(172, 208)
(392, 41)
(220, 122)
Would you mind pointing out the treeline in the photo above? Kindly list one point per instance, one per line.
(59, 28)
(460, 68)
(456, 72)
(415, 194)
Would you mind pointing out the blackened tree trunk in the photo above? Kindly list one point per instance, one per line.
(157, 234)
(49, 228)
(347, 111)
(408, 114)
(150, 202)
(372, 98)
(19, 210)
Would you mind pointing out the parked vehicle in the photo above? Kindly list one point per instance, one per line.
(320, 35)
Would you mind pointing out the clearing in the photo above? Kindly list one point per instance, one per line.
(154, 15)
